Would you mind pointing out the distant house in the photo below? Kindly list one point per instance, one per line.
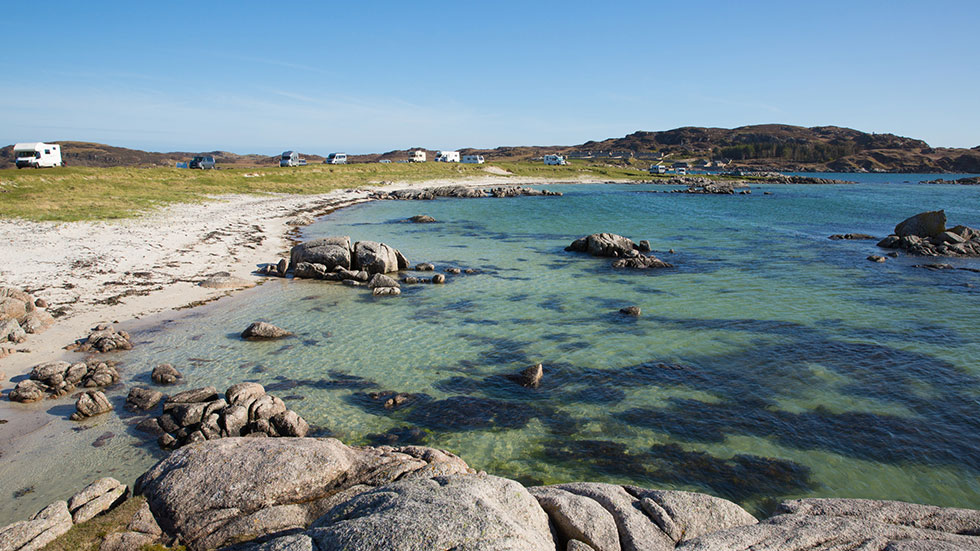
(704, 164)
(682, 164)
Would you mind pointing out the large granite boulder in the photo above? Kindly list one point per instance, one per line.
(850, 524)
(377, 258)
(447, 512)
(34, 534)
(331, 252)
(89, 404)
(97, 497)
(232, 490)
(924, 224)
(604, 244)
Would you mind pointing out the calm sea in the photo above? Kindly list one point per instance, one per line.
(770, 363)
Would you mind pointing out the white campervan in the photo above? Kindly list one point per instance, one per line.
(37, 155)
(416, 156)
(473, 159)
(336, 159)
(555, 160)
(447, 157)
(289, 158)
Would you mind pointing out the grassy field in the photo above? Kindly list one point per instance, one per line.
(81, 193)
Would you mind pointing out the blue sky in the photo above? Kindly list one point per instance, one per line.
(374, 76)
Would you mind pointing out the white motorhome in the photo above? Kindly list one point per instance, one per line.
(37, 155)
(416, 156)
(289, 158)
(447, 157)
(658, 169)
(473, 159)
(555, 160)
(336, 159)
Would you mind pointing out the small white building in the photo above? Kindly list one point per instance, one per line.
(447, 156)
(417, 156)
(473, 159)
(558, 160)
(37, 155)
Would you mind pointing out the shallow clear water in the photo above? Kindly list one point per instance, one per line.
(771, 362)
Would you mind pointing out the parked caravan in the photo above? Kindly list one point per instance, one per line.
(416, 156)
(447, 157)
(336, 159)
(37, 155)
(555, 160)
(289, 158)
(658, 169)
(473, 159)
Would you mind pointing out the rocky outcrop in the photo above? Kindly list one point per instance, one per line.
(926, 234)
(143, 398)
(462, 192)
(245, 410)
(102, 338)
(20, 315)
(260, 330)
(55, 379)
(634, 311)
(849, 236)
(617, 246)
(422, 219)
(711, 187)
(850, 524)
(89, 404)
(529, 377)
(335, 255)
(238, 489)
(969, 181)
(96, 498)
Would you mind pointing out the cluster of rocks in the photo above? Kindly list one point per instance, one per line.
(969, 181)
(201, 414)
(851, 236)
(21, 314)
(779, 178)
(102, 338)
(610, 245)
(57, 518)
(461, 192)
(294, 494)
(56, 379)
(337, 255)
(707, 186)
(926, 234)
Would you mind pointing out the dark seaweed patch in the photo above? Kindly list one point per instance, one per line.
(399, 436)
(459, 413)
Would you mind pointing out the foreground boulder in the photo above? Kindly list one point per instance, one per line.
(604, 244)
(21, 314)
(238, 489)
(102, 338)
(165, 374)
(331, 252)
(89, 404)
(926, 234)
(322, 257)
(43, 528)
(97, 497)
(850, 524)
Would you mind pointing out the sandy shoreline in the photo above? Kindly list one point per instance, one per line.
(116, 271)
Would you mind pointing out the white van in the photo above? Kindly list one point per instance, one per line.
(416, 156)
(473, 159)
(289, 158)
(37, 155)
(555, 160)
(658, 169)
(447, 157)
(336, 159)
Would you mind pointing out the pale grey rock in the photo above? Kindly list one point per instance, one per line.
(438, 278)
(185, 414)
(375, 258)
(311, 270)
(100, 504)
(143, 398)
(289, 423)
(233, 420)
(381, 280)
(211, 493)
(330, 252)
(576, 545)
(126, 541)
(464, 512)
(11, 331)
(34, 534)
(50, 373)
(75, 373)
(165, 374)
(90, 404)
(687, 515)
(12, 309)
(244, 393)
(144, 522)
(604, 244)
(36, 321)
(422, 219)
(578, 518)
(943, 519)
(92, 491)
(425, 267)
(295, 542)
(385, 291)
(263, 330)
(265, 407)
(636, 530)
(27, 391)
(194, 395)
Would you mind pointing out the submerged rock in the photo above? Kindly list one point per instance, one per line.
(849, 236)
(422, 219)
(165, 374)
(631, 311)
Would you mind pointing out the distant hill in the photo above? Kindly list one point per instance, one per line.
(762, 147)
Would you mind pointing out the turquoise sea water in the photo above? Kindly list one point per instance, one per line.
(770, 363)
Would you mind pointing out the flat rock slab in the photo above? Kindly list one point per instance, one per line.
(43, 528)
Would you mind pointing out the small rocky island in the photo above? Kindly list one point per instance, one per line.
(610, 245)
(925, 234)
